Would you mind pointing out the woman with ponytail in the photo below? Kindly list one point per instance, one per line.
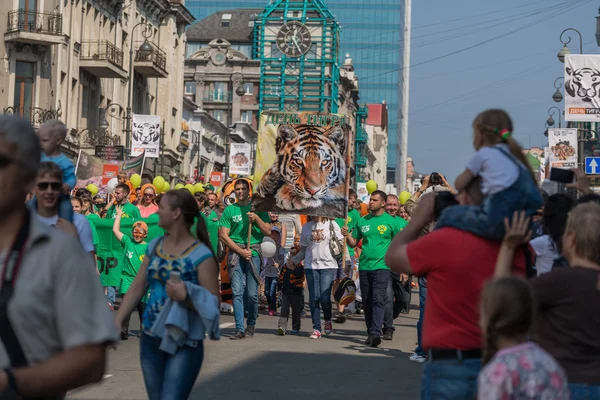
(506, 180)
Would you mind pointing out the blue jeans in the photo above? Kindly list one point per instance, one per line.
(244, 284)
(487, 220)
(169, 377)
(319, 291)
(374, 286)
(388, 315)
(450, 379)
(271, 292)
(581, 391)
(111, 294)
(422, 296)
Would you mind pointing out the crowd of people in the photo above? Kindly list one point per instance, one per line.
(508, 278)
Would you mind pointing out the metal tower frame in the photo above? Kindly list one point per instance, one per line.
(307, 83)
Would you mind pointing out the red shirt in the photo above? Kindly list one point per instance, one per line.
(456, 264)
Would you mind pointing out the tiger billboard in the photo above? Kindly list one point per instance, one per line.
(301, 164)
(582, 87)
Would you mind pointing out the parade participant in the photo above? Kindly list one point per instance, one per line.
(147, 204)
(282, 228)
(291, 280)
(139, 197)
(506, 180)
(243, 262)
(567, 299)
(211, 218)
(87, 206)
(376, 231)
(76, 204)
(353, 217)
(212, 201)
(271, 270)
(135, 248)
(515, 367)
(450, 335)
(54, 324)
(320, 268)
(392, 205)
(172, 374)
(120, 197)
(403, 214)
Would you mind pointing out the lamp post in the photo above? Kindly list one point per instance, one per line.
(558, 96)
(550, 120)
(565, 50)
(145, 50)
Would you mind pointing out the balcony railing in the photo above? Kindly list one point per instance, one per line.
(34, 21)
(157, 57)
(101, 50)
(361, 135)
(35, 115)
(217, 95)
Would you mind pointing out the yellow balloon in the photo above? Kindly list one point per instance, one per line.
(166, 187)
(92, 188)
(179, 186)
(190, 187)
(198, 187)
(136, 180)
(158, 182)
(404, 196)
(371, 186)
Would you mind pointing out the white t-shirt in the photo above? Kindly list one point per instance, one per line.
(315, 239)
(497, 172)
(84, 230)
(546, 253)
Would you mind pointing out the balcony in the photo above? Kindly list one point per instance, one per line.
(360, 159)
(35, 115)
(361, 135)
(34, 27)
(153, 65)
(102, 59)
(217, 96)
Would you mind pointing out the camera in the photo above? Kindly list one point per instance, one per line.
(435, 179)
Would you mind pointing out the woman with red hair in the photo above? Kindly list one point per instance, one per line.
(147, 205)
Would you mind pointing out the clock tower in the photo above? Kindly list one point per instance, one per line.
(297, 42)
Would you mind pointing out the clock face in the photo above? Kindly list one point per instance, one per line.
(293, 39)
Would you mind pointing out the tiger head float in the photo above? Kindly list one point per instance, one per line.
(228, 191)
(310, 168)
(146, 132)
(583, 83)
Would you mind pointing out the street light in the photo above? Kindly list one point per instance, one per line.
(557, 96)
(550, 121)
(565, 50)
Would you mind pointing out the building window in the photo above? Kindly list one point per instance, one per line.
(275, 52)
(190, 88)
(219, 115)
(247, 117)
(225, 20)
(249, 88)
(219, 91)
(24, 82)
(85, 102)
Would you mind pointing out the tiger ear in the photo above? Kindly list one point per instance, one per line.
(337, 135)
(285, 133)
(569, 70)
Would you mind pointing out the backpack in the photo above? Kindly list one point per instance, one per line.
(346, 292)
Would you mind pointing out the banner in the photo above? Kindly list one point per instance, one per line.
(92, 169)
(563, 148)
(239, 158)
(361, 192)
(109, 250)
(301, 161)
(582, 87)
(145, 135)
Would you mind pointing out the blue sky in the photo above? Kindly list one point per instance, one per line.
(515, 72)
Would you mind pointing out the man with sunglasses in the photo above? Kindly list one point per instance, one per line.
(54, 324)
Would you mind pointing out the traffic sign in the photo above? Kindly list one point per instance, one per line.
(592, 165)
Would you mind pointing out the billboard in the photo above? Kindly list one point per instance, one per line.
(239, 158)
(582, 87)
(145, 135)
(563, 148)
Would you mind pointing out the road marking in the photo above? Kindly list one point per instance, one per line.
(226, 325)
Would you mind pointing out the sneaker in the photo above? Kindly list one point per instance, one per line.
(111, 306)
(271, 313)
(124, 334)
(281, 331)
(239, 335)
(316, 334)
(250, 332)
(417, 358)
(388, 334)
(294, 332)
(375, 341)
(303, 314)
(368, 340)
(328, 327)
(339, 318)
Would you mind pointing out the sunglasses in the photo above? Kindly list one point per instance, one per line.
(148, 194)
(54, 186)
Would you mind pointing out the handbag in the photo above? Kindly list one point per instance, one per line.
(335, 245)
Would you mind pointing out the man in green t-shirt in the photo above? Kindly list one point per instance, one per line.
(377, 229)
(121, 198)
(243, 263)
(352, 219)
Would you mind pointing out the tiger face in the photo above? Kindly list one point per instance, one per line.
(583, 83)
(146, 133)
(311, 163)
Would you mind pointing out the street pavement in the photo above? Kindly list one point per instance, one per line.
(268, 366)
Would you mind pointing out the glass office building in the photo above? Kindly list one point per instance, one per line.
(371, 34)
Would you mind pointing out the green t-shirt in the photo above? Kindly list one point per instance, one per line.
(376, 233)
(212, 225)
(91, 218)
(353, 217)
(235, 217)
(132, 261)
(129, 211)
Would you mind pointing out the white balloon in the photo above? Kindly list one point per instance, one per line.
(268, 247)
(112, 184)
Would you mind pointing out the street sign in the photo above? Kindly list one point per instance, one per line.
(592, 165)
(110, 152)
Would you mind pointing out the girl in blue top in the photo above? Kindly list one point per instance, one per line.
(172, 376)
(506, 180)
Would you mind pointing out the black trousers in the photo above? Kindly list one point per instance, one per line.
(373, 287)
(140, 309)
(295, 301)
